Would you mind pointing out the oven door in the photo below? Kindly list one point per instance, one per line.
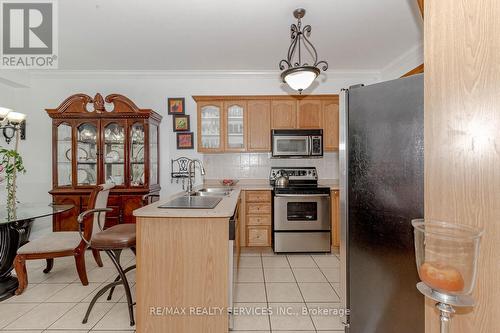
(302, 212)
(291, 145)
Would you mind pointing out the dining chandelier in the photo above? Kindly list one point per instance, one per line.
(297, 74)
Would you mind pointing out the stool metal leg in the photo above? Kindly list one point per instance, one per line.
(118, 277)
(96, 297)
(126, 285)
(128, 269)
(114, 255)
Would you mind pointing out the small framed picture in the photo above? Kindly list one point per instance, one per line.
(181, 123)
(176, 105)
(185, 140)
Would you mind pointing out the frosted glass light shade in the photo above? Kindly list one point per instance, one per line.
(16, 117)
(300, 78)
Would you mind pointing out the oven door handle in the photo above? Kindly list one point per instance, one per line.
(303, 195)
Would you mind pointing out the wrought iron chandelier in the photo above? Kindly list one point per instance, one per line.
(297, 74)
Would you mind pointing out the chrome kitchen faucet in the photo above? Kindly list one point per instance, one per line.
(193, 175)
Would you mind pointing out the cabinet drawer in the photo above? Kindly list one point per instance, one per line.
(258, 208)
(258, 220)
(259, 236)
(258, 196)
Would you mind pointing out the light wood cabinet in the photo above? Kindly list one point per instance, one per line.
(258, 218)
(244, 123)
(210, 127)
(335, 218)
(259, 125)
(283, 114)
(259, 236)
(258, 196)
(258, 208)
(309, 114)
(235, 126)
(330, 125)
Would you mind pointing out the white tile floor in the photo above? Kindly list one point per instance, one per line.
(301, 291)
(56, 302)
(292, 287)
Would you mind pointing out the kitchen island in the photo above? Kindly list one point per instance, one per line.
(183, 267)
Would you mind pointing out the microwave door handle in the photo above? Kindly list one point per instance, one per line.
(309, 146)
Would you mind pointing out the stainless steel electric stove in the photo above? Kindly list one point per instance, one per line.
(301, 211)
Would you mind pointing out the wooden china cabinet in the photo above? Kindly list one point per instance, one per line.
(93, 144)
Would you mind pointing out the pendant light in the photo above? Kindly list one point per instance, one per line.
(297, 74)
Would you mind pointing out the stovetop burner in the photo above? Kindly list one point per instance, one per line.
(297, 176)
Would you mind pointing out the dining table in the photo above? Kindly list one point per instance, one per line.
(15, 228)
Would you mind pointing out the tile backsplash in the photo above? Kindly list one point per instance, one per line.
(257, 165)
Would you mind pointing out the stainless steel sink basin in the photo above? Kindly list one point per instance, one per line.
(204, 198)
(192, 202)
(212, 192)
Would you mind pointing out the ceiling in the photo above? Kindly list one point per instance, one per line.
(231, 34)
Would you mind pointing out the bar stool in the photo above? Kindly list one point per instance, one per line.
(112, 241)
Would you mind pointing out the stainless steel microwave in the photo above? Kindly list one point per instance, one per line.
(297, 143)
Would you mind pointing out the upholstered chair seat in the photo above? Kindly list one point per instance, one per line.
(66, 243)
(54, 242)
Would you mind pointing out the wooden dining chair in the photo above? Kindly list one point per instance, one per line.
(65, 243)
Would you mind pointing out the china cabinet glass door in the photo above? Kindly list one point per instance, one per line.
(64, 155)
(235, 126)
(153, 154)
(114, 153)
(86, 154)
(211, 120)
(136, 157)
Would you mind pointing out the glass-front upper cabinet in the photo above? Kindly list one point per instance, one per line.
(136, 152)
(210, 127)
(114, 152)
(153, 154)
(64, 155)
(235, 120)
(86, 154)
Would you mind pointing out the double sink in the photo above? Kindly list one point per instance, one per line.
(211, 192)
(204, 198)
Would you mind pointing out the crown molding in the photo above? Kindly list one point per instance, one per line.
(190, 74)
(404, 63)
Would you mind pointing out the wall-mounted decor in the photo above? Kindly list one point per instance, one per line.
(176, 105)
(181, 123)
(180, 172)
(185, 140)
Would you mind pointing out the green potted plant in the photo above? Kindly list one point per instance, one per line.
(11, 163)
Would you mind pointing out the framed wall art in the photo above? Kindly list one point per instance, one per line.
(185, 140)
(176, 106)
(181, 123)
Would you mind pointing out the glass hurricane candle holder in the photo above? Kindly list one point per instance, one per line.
(446, 256)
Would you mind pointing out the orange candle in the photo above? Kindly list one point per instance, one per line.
(441, 276)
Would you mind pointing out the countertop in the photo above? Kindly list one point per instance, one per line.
(226, 206)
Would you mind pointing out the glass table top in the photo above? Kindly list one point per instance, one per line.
(28, 211)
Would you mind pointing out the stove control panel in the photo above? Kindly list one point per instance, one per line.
(294, 173)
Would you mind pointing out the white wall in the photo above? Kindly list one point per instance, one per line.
(6, 96)
(147, 90)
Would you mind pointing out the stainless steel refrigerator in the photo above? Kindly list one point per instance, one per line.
(381, 190)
